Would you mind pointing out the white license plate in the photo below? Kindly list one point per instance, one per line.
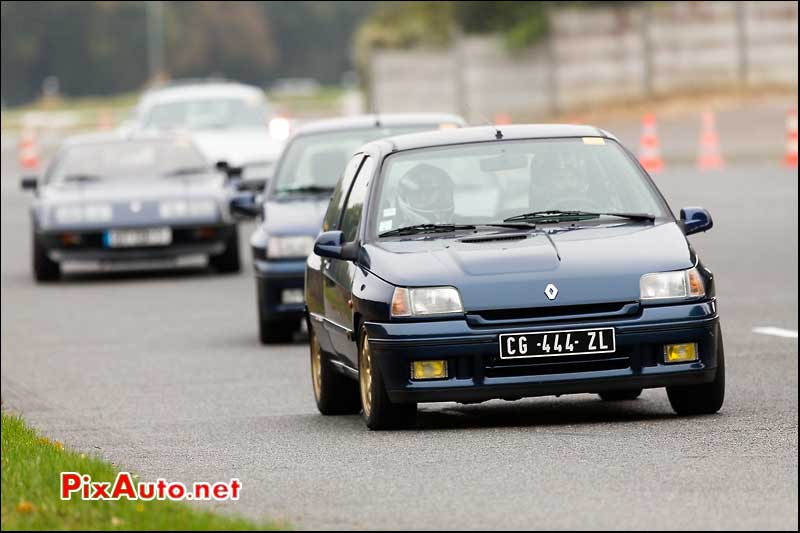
(556, 343)
(292, 296)
(127, 238)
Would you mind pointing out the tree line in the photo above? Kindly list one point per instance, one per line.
(100, 47)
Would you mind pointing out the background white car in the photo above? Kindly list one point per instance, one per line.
(229, 121)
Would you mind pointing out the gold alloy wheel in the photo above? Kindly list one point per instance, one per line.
(365, 375)
(316, 365)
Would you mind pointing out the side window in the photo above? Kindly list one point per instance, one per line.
(355, 202)
(340, 193)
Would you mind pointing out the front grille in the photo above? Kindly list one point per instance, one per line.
(499, 368)
(553, 312)
(93, 240)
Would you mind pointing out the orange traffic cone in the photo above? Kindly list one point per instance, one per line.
(790, 157)
(502, 119)
(649, 147)
(709, 157)
(105, 120)
(28, 151)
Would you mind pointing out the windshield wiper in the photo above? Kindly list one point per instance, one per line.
(558, 215)
(306, 189)
(426, 228)
(512, 225)
(185, 171)
(81, 178)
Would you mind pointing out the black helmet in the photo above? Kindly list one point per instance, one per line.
(425, 196)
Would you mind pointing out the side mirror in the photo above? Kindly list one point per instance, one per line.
(255, 184)
(695, 220)
(231, 171)
(246, 204)
(29, 183)
(329, 244)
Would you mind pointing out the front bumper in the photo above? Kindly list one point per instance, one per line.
(186, 240)
(476, 373)
(274, 277)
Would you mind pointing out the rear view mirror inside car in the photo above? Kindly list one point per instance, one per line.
(504, 162)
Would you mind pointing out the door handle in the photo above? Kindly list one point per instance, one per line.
(326, 274)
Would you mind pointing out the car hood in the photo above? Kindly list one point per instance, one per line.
(298, 215)
(587, 264)
(239, 146)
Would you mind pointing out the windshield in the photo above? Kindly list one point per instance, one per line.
(485, 183)
(209, 113)
(127, 160)
(315, 162)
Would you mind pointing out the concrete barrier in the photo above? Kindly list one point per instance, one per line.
(594, 55)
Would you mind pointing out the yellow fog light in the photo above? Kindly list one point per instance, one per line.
(680, 353)
(428, 369)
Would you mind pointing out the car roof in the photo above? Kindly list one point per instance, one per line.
(379, 121)
(196, 91)
(431, 139)
(122, 136)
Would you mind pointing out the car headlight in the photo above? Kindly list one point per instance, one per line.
(294, 246)
(72, 214)
(670, 285)
(280, 128)
(425, 301)
(187, 209)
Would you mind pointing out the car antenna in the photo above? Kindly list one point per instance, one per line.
(377, 119)
(497, 133)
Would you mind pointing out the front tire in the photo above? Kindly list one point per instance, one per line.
(379, 411)
(704, 399)
(620, 395)
(44, 268)
(334, 393)
(228, 261)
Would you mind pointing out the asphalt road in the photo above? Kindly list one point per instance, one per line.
(162, 373)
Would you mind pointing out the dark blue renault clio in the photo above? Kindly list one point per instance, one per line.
(506, 263)
(295, 201)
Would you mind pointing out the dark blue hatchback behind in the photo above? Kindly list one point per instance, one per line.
(295, 201)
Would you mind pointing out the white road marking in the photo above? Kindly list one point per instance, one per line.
(776, 332)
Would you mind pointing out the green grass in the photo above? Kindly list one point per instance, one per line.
(31, 466)
(90, 111)
(115, 101)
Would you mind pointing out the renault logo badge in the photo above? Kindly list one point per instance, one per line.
(551, 291)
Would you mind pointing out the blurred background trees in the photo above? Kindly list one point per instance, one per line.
(101, 47)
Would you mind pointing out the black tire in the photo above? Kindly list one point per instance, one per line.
(44, 269)
(276, 331)
(379, 411)
(228, 261)
(704, 399)
(620, 395)
(334, 393)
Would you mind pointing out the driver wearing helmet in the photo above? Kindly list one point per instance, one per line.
(558, 180)
(425, 196)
